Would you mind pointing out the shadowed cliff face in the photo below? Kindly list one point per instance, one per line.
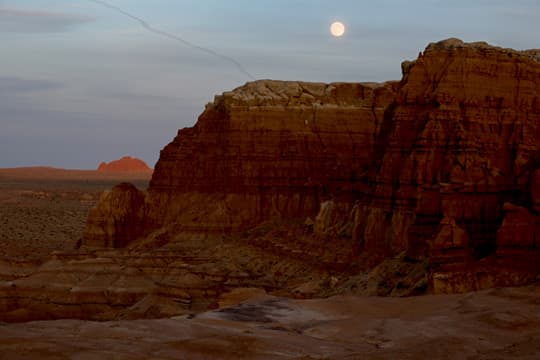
(422, 166)
(461, 141)
(463, 129)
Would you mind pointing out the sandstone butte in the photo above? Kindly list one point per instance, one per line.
(126, 164)
(427, 184)
(444, 163)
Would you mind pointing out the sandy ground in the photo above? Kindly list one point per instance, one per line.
(495, 324)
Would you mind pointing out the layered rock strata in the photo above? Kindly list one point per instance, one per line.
(423, 165)
(178, 277)
(268, 149)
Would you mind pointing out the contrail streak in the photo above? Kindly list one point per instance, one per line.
(177, 38)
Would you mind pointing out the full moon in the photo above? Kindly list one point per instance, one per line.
(337, 29)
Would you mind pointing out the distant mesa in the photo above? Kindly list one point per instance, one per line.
(127, 164)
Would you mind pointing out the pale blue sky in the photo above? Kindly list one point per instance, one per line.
(80, 83)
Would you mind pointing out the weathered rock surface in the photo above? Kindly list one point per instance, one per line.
(268, 149)
(493, 324)
(171, 275)
(518, 237)
(126, 164)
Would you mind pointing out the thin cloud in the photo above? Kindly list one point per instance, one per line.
(16, 85)
(39, 21)
(174, 37)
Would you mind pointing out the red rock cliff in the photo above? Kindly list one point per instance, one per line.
(269, 148)
(424, 165)
(461, 132)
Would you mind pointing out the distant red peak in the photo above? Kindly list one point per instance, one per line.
(125, 164)
(102, 166)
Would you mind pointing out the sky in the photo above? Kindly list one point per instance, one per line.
(82, 83)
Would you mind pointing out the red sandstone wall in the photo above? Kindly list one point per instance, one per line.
(428, 162)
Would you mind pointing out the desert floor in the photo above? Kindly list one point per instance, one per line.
(44, 210)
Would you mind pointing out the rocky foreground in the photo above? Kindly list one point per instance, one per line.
(430, 184)
(494, 324)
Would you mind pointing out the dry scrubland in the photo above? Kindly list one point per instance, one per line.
(44, 210)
